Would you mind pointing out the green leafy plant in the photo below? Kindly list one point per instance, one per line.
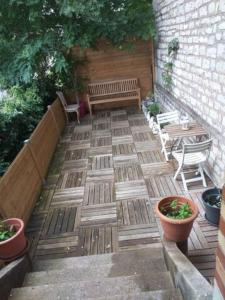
(173, 47)
(20, 111)
(172, 50)
(6, 231)
(36, 36)
(176, 211)
(154, 109)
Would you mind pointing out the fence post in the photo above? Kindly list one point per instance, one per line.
(55, 121)
(27, 142)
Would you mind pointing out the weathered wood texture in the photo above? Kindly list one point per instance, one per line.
(21, 184)
(105, 179)
(110, 63)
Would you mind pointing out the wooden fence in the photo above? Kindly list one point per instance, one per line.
(111, 63)
(21, 184)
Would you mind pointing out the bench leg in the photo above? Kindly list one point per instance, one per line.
(78, 116)
(89, 106)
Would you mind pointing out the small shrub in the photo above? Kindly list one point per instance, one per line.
(20, 111)
(6, 231)
(176, 211)
(154, 109)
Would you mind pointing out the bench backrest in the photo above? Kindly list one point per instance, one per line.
(112, 87)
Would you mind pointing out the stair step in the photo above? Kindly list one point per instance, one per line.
(101, 259)
(122, 285)
(172, 294)
(121, 266)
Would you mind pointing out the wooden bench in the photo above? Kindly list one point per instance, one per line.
(113, 91)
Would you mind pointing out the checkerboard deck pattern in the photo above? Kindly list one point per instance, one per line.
(105, 178)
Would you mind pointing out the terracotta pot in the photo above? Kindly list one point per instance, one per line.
(16, 244)
(176, 230)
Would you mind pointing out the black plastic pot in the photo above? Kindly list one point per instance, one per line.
(212, 213)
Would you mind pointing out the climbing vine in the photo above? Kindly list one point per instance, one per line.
(172, 50)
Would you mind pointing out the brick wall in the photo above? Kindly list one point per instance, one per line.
(198, 86)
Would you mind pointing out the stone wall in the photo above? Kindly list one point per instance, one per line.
(198, 86)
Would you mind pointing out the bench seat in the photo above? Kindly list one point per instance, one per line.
(113, 91)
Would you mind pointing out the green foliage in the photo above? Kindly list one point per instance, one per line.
(20, 111)
(36, 36)
(173, 47)
(154, 109)
(6, 231)
(172, 50)
(176, 211)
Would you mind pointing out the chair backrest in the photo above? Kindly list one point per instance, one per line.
(168, 117)
(197, 147)
(112, 87)
(62, 98)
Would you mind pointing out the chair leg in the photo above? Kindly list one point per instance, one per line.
(202, 176)
(78, 116)
(184, 181)
(177, 173)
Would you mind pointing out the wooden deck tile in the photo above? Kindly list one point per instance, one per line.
(120, 117)
(59, 221)
(162, 186)
(119, 124)
(81, 136)
(137, 235)
(101, 141)
(134, 211)
(146, 146)
(143, 136)
(100, 162)
(71, 196)
(116, 132)
(71, 179)
(101, 126)
(148, 157)
(118, 112)
(128, 172)
(124, 160)
(125, 139)
(138, 122)
(99, 193)
(104, 150)
(98, 215)
(76, 165)
(156, 169)
(123, 149)
(100, 175)
(76, 154)
(98, 240)
(130, 189)
(82, 128)
(142, 128)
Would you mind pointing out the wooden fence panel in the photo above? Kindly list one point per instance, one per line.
(43, 142)
(21, 184)
(111, 63)
(59, 114)
(19, 187)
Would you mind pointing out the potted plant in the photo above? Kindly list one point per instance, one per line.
(177, 215)
(153, 110)
(12, 238)
(212, 202)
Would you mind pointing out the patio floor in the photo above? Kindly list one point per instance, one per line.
(99, 197)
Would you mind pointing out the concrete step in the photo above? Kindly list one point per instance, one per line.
(102, 259)
(121, 266)
(172, 294)
(106, 287)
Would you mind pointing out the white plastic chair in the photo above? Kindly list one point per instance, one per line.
(163, 119)
(192, 155)
(69, 108)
